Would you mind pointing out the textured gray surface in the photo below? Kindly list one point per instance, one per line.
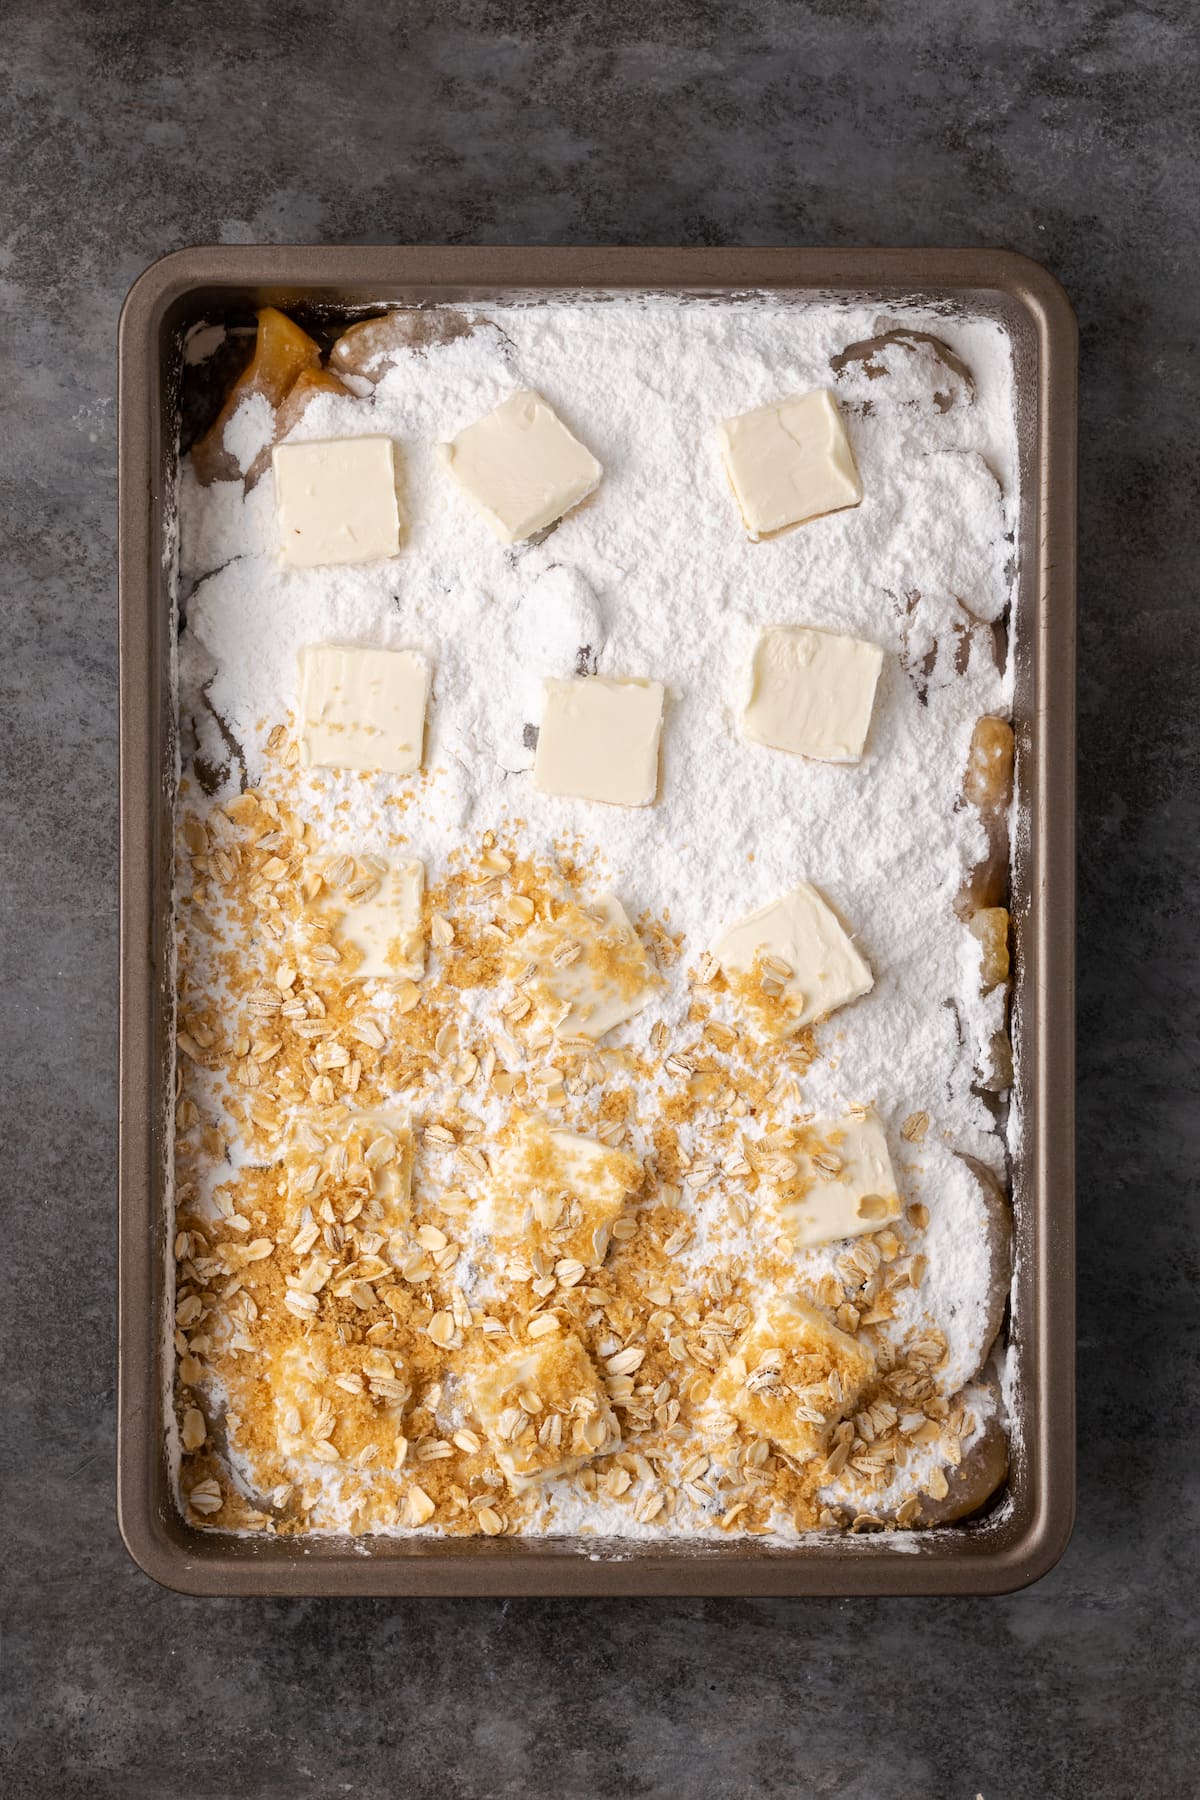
(1065, 128)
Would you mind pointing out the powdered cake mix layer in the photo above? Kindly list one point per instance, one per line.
(591, 935)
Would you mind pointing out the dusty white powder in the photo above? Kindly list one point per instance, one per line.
(249, 430)
(654, 576)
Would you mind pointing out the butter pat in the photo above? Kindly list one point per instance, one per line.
(789, 462)
(335, 501)
(844, 1185)
(812, 692)
(520, 467)
(373, 908)
(331, 1158)
(792, 962)
(599, 740)
(559, 1193)
(792, 1376)
(590, 972)
(544, 1410)
(362, 709)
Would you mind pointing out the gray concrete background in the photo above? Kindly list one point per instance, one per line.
(1065, 128)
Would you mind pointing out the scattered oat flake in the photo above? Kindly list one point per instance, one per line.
(194, 1430)
(206, 1497)
(441, 1329)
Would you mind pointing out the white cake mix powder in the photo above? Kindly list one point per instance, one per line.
(654, 576)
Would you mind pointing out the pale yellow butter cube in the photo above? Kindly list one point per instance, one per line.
(792, 1376)
(789, 462)
(372, 905)
(362, 709)
(599, 740)
(335, 501)
(520, 467)
(812, 692)
(332, 1157)
(587, 972)
(559, 1193)
(544, 1409)
(792, 962)
(844, 1184)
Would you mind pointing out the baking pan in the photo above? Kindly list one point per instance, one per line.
(1019, 1538)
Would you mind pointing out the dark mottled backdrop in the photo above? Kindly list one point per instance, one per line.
(1065, 128)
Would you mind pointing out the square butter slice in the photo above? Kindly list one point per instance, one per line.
(599, 740)
(791, 962)
(327, 1157)
(520, 467)
(812, 692)
(544, 1410)
(335, 501)
(789, 462)
(362, 709)
(559, 1193)
(587, 971)
(844, 1184)
(793, 1375)
(372, 906)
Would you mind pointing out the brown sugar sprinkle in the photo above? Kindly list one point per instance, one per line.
(327, 1329)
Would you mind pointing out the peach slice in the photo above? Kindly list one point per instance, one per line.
(291, 409)
(990, 927)
(988, 780)
(987, 784)
(281, 352)
(371, 347)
